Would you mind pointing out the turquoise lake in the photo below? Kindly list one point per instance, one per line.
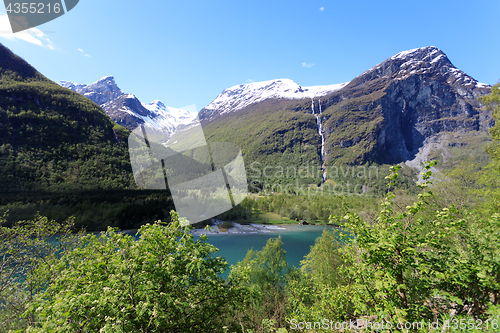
(297, 241)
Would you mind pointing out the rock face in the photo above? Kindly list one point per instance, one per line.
(100, 92)
(404, 100)
(385, 115)
(128, 111)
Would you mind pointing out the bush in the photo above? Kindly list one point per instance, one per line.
(162, 282)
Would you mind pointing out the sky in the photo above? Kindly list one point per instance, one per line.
(187, 52)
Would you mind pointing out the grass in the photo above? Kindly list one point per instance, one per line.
(271, 218)
(274, 218)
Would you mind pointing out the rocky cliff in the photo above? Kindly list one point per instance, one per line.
(385, 115)
(389, 111)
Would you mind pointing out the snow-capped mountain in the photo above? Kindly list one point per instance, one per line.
(388, 114)
(128, 111)
(175, 116)
(423, 60)
(243, 95)
(100, 92)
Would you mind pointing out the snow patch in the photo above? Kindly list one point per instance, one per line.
(243, 95)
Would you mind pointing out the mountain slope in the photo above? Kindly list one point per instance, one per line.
(128, 111)
(385, 115)
(231, 100)
(54, 139)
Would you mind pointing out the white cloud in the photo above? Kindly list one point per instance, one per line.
(322, 9)
(33, 35)
(250, 81)
(306, 65)
(86, 55)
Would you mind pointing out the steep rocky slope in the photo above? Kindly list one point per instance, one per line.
(127, 110)
(385, 115)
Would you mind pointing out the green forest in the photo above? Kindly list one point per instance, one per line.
(420, 258)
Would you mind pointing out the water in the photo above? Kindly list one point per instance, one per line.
(320, 131)
(297, 241)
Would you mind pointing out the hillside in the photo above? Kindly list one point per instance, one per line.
(127, 111)
(394, 112)
(54, 139)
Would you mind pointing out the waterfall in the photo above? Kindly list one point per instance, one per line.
(320, 132)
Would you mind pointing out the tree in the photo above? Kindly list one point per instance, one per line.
(405, 264)
(492, 101)
(264, 275)
(163, 282)
(490, 177)
(28, 250)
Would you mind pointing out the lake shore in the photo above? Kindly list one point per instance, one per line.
(253, 228)
(237, 228)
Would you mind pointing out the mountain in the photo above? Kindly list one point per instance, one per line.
(388, 114)
(54, 139)
(404, 101)
(243, 95)
(128, 111)
(100, 92)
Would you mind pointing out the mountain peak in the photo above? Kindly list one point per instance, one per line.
(156, 104)
(242, 95)
(421, 53)
(108, 78)
(429, 61)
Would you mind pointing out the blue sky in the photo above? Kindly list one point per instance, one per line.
(187, 52)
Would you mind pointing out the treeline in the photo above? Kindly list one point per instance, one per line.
(93, 210)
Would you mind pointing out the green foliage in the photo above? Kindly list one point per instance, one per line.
(162, 282)
(492, 101)
(404, 264)
(28, 250)
(316, 209)
(324, 260)
(93, 210)
(461, 186)
(52, 138)
(243, 212)
(264, 275)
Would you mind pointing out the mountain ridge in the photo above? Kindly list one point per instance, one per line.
(384, 115)
(128, 111)
(260, 91)
(54, 139)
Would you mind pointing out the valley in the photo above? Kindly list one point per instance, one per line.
(392, 175)
(410, 108)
